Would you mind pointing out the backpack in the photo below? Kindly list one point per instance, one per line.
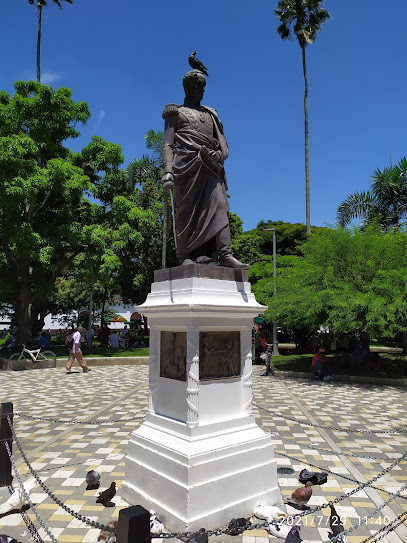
(69, 341)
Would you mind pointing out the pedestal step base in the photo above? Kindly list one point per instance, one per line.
(202, 481)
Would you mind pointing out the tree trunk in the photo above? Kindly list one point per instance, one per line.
(404, 342)
(307, 188)
(21, 311)
(102, 315)
(39, 6)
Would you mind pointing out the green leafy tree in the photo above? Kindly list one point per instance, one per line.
(347, 280)
(307, 18)
(40, 4)
(385, 204)
(42, 204)
(256, 245)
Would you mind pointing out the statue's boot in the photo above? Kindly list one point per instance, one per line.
(229, 261)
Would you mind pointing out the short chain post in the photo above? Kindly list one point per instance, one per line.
(134, 525)
(6, 410)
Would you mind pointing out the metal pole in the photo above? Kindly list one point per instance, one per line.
(275, 337)
(90, 318)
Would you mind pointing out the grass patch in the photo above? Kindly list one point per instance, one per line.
(92, 352)
(393, 366)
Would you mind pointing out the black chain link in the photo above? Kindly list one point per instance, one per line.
(80, 517)
(332, 428)
(30, 526)
(26, 495)
(90, 423)
(337, 474)
(387, 529)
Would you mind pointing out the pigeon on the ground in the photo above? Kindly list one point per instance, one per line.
(17, 500)
(302, 495)
(294, 535)
(196, 64)
(316, 478)
(107, 495)
(156, 527)
(269, 512)
(108, 537)
(336, 525)
(199, 537)
(279, 529)
(92, 480)
(237, 525)
(7, 539)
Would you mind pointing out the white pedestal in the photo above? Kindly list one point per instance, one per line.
(199, 459)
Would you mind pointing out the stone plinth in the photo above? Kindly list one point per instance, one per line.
(199, 459)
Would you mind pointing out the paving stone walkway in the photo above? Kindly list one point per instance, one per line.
(62, 453)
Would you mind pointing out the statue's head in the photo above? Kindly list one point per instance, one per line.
(194, 84)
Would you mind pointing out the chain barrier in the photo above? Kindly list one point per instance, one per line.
(73, 513)
(398, 521)
(367, 517)
(329, 451)
(360, 487)
(90, 423)
(27, 497)
(332, 428)
(30, 526)
(338, 474)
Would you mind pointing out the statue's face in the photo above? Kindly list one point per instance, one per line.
(197, 91)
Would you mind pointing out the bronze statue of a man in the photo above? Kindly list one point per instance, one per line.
(196, 173)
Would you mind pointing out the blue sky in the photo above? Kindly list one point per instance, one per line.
(127, 60)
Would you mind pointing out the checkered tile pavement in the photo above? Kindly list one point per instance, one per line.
(63, 453)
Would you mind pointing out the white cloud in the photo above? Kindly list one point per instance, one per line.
(47, 78)
(101, 114)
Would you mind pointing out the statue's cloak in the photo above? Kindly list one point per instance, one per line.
(201, 202)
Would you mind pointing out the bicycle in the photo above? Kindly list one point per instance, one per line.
(45, 359)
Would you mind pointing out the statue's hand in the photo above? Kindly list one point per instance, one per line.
(167, 181)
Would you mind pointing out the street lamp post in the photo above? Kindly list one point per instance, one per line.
(275, 338)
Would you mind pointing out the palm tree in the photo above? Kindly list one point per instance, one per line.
(40, 5)
(384, 204)
(308, 17)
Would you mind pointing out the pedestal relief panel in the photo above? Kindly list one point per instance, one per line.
(219, 355)
(173, 352)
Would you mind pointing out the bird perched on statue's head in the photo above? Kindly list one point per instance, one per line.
(196, 64)
(302, 495)
(92, 480)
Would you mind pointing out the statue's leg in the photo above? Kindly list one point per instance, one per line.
(226, 258)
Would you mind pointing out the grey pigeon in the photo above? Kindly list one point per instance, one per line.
(316, 478)
(237, 525)
(196, 64)
(92, 480)
(200, 537)
(107, 495)
(336, 525)
(293, 535)
(302, 495)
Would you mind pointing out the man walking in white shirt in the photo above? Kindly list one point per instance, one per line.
(76, 353)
